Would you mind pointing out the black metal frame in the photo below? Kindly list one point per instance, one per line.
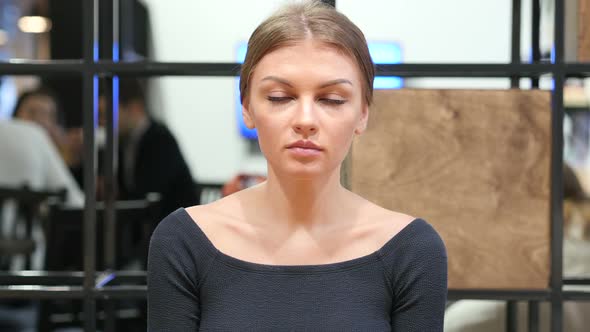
(90, 67)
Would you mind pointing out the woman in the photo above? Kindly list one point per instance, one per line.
(299, 252)
(41, 106)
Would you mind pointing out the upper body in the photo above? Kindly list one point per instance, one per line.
(153, 162)
(299, 251)
(400, 286)
(42, 107)
(150, 159)
(30, 158)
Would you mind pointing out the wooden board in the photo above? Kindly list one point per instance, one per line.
(476, 165)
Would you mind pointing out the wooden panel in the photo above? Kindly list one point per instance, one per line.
(476, 165)
(584, 30)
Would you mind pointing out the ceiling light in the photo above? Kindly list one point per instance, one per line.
(34, 24)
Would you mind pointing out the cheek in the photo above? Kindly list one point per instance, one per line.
(269, 135)
(344, 135)
(48, 117)
(42, 118)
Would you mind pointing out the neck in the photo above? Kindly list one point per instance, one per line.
(304, 202)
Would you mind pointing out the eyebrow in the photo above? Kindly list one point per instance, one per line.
(277, 79)
(334, 82)
(326, 84)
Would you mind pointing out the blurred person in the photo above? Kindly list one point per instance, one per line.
(42, 107)
(150, 159)
(29, 158)
(299, 251)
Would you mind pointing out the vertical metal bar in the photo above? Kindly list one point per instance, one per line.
(556, 281)
(515, 51)
(533, 316)
(110, 230)
(535, 38)
(511, 316)
(557, 204)
(111, 157)
(90, 39)
(29, 216)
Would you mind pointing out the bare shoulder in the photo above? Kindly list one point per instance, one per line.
(384, 223)
(222, 221)
(393, 220)
(214, 213)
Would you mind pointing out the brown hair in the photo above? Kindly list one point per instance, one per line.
(311, 19)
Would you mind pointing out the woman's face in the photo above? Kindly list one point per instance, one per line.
(40, 109)
(306, 101)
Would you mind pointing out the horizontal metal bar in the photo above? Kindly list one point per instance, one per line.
(29, 67)
(499, 294)
(121, 292)
(76, 67)
(571, 295)
(41, 278)
(576, 281)
(41, 292)
(71, 292)
(73, 278)
(464, 70)
(130, 277)
(167, 68)
(26, 194)
(140, 292)
(577, 69)
(42, 67)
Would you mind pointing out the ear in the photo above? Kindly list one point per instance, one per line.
(364, 118)
(247, 114)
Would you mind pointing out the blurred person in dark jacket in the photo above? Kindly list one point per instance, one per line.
(150, 159)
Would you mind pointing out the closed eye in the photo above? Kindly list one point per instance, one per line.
(333, 101)
(278, 99)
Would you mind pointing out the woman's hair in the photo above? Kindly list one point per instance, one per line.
(130, 89)
(311, 19)
(41, 91)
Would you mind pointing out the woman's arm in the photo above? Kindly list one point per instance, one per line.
(420, 291)
(173, 300)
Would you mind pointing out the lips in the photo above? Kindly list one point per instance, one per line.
(304, 149)
(302, 144)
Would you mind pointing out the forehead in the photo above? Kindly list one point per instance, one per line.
(308, 60)
(40, 102)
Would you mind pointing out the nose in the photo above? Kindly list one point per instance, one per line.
(305, 120)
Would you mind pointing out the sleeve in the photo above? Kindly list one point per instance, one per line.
(173, 299)
(420, 292)
(58, 176)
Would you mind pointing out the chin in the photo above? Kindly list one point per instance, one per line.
(301, 171)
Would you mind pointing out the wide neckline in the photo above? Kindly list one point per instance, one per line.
(315, 268)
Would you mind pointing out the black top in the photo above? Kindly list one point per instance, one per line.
(193, 286)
